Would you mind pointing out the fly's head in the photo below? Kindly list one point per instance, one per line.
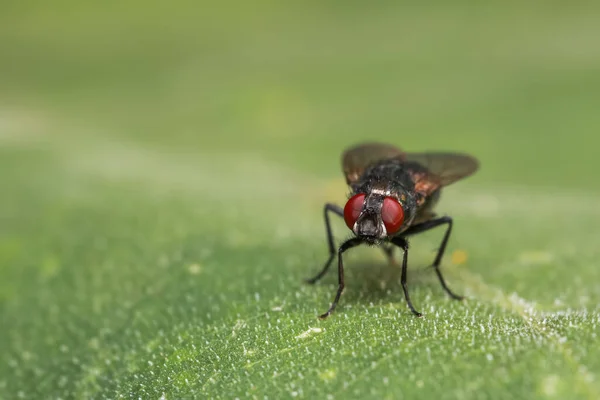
(375, 216)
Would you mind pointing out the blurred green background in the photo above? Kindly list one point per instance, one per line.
(163, 168)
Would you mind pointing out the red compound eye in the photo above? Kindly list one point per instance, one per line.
(392, 215)
(353, 209)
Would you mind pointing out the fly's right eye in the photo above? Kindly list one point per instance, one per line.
(353, 209)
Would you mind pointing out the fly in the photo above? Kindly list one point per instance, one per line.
(392, 196)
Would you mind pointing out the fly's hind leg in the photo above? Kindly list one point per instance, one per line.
(337, 210)
(425, 226)
(389, 253)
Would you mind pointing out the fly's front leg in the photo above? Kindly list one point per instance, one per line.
(403, 244)
(348, 244)
(337, 210)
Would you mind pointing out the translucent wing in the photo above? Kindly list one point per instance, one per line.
(356, 159)
(439, 169)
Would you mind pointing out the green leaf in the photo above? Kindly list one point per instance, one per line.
(162, 181)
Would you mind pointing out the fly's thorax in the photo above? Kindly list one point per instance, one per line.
(408, 201)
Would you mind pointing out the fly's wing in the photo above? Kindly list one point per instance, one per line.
(356, 159)
(434, 170)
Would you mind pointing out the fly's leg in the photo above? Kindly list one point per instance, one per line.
(338, 211)
(403, 244)
(389, 253)
(345, 246)
(425, 226)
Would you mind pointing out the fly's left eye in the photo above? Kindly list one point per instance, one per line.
(353, 209)
(392, 215)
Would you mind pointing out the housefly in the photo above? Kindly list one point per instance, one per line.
(392, 196)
